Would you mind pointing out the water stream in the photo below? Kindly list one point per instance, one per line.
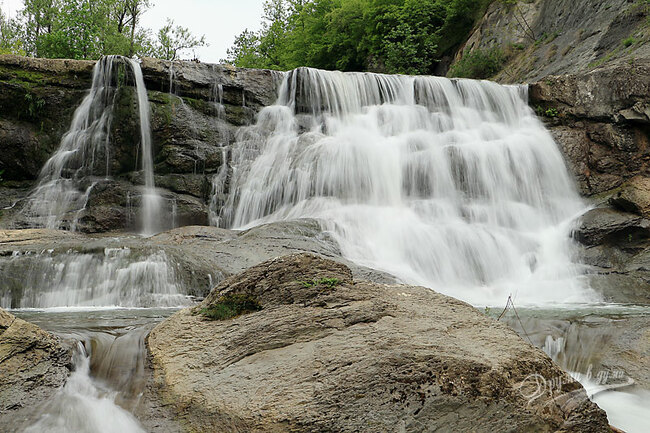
(109, 376)
(451, 184)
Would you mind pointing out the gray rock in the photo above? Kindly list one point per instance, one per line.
(33, 365)
(610, 226)
(351, 356)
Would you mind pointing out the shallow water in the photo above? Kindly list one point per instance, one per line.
(579, 339)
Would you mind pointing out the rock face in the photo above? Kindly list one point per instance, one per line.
(33, 365)
(329, 353)
(601, 121)
(553, 37)
(195, 111)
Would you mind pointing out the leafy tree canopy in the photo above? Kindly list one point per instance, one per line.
(89, 29)
(393, 36)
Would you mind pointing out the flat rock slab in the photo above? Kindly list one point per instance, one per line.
(327, 353)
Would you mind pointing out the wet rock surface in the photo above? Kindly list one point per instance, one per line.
(331, 353)
(195, 110)
(33, 365)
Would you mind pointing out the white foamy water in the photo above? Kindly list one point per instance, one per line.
(116, 277)
(63, 184)
(83, 405)
(68, 177)
(452, 184)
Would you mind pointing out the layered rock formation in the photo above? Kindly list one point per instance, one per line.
(33, 365)
(196, 257)
(330, 353)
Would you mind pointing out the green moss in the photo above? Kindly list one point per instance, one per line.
(327, 282)
(628, 42)
(230, 306)
(23, 75)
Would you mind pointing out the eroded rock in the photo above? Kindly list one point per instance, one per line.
(328, 353)
(33, 365)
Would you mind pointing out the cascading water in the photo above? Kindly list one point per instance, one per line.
(453, 184)
(151, 200)
(67, 178)
(84, 151)
(114, 277)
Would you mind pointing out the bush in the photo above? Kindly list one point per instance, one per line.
(478, 64)
(231, 305)
(629, 42)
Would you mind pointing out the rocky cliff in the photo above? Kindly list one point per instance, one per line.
(536, 38)
(196, 109)
(33, 365)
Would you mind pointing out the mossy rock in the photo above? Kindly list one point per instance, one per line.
(230, 306)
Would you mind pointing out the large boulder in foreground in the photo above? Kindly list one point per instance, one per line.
(317, 351)
(33, 365)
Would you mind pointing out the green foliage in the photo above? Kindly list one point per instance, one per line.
(173, 40)
(393, 36)
(628, 42)
(34, 105)
(549, 112)
(10, 37)
(230, 306)
(327, 282)
(89, 29)
(478, 64)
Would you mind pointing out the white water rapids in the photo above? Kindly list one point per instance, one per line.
(451, 184)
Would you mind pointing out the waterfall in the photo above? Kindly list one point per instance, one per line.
(67, 178)
(451, 184)
(113, 277)
(83, 405)
(151, 200)
(84, 151)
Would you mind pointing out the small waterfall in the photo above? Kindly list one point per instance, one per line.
(84, 152)
(114, 277)
(84, 406)
(452, 184)
(67, 178)
(151, 200)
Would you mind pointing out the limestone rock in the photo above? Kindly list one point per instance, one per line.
(327, 353)
(33, 365)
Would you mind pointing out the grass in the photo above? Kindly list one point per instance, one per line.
(230, 306)
(327, 282)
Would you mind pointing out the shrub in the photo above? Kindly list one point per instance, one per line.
(231, 305)
(478, 64)
(629, 42)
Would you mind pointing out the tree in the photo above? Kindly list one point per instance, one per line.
(10, 37)
(174, 40)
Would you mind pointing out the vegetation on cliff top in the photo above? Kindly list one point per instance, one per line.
(392, 36)
(89, 29)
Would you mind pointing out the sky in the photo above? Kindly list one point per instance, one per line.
(219, 20)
